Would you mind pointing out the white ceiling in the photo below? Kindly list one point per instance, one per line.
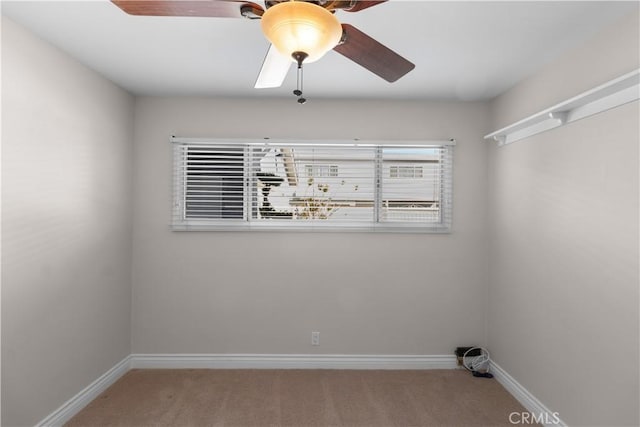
(462, 50)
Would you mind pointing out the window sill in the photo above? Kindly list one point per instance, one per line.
(311, 228)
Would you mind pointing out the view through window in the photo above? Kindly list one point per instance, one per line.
(269, 185)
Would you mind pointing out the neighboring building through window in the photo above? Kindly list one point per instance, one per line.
(310, 186)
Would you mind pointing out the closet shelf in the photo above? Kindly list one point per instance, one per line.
(611, 94)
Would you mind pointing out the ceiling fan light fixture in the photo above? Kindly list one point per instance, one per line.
(298, 26)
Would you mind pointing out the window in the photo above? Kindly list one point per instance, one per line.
(321, 171)
(405, 171)
(311, 186)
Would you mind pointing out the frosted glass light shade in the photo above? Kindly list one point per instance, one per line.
(298, 26)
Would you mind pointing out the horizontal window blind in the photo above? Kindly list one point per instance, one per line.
(416, 185)
(224, 186)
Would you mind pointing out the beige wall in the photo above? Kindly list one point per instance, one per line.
(563, 293)
(558, 262)
(248, 292)
(66, 226)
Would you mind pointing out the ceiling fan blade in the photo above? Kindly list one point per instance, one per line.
(205, 8)
(372, 55)
(362, 4)
(274, 69)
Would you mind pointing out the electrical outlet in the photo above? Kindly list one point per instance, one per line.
(315, 338)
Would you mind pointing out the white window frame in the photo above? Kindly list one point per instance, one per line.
(180, 223)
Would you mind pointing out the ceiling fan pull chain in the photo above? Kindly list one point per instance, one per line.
(298, 91)
(299, 57)
(301, 100)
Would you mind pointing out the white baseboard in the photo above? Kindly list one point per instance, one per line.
(290, 361)
(72, 406)
(528, 400)
(285, 361)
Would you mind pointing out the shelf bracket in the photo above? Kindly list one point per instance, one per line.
(561, 116)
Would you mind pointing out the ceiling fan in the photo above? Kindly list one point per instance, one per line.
(299, 31)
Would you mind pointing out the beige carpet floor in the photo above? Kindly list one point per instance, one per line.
(204, 397)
